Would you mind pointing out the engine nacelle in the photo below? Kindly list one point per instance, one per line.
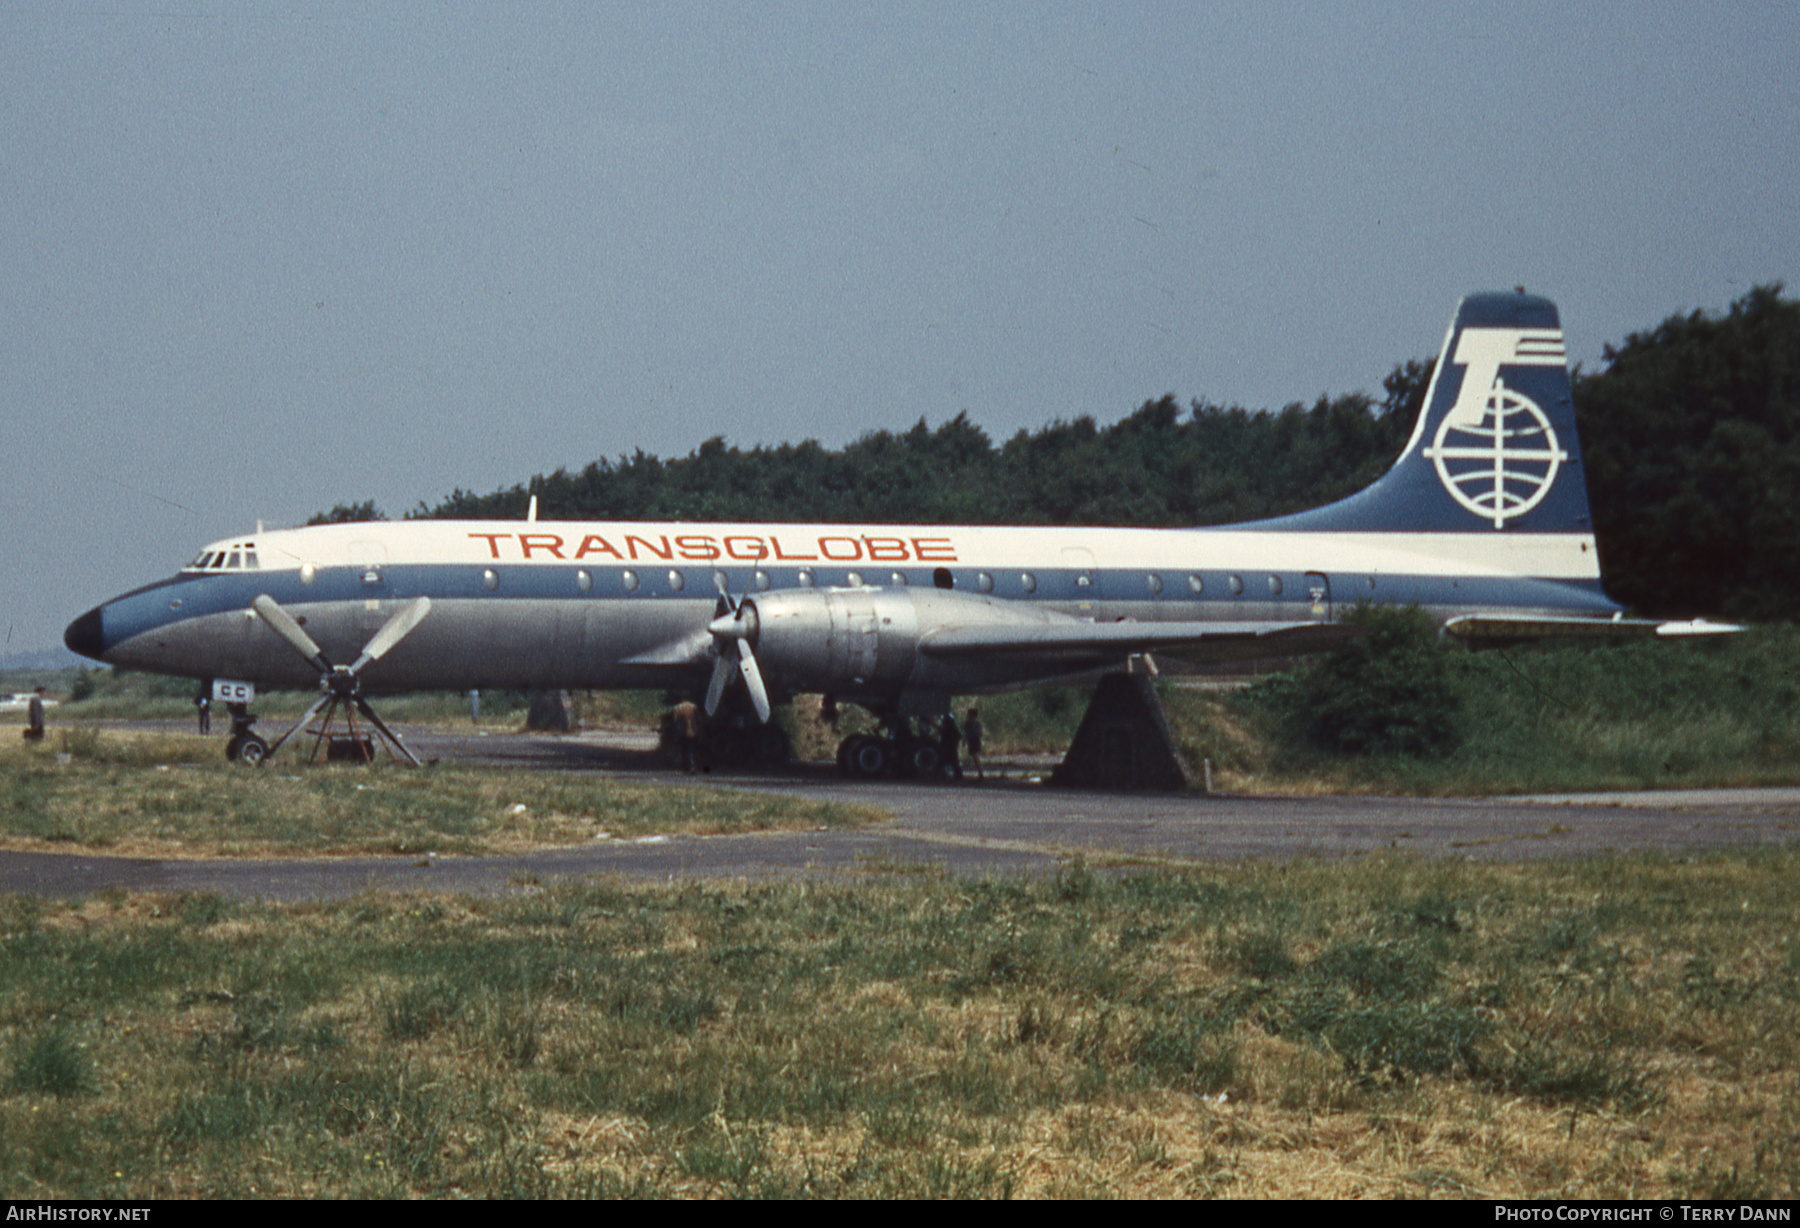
(864, 642)
(844, 641)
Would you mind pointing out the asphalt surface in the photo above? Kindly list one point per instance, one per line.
(1010, 825)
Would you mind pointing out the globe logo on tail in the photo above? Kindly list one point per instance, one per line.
(1504, 465)
(1495, 451)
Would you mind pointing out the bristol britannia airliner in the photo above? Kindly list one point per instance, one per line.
(1483, 522)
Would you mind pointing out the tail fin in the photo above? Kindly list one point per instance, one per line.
(1495, 447)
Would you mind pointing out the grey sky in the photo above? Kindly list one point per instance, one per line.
(259, 259)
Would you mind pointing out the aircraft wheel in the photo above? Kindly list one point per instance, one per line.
(250, 750)
(870, 757)
(921, 759)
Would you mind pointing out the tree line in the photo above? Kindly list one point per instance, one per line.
(1690, 432)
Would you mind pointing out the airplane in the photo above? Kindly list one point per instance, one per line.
(1483, 522)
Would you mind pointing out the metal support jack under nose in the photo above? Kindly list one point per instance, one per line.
(341, 685)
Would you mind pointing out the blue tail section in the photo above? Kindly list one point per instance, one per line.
(1495, 449)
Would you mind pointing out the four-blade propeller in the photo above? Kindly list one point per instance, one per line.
(734, 633)
(342, 684)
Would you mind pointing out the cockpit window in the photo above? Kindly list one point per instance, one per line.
(241, 557)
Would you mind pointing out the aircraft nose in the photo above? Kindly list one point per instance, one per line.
(86, 636)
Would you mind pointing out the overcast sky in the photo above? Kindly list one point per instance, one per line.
(259, 259)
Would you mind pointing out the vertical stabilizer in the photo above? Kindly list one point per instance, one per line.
(1495, 448)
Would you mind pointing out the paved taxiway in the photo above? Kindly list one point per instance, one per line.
(998, 827)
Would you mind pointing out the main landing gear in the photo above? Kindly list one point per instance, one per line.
(899, 750)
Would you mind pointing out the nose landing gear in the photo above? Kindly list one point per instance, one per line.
(246, 745)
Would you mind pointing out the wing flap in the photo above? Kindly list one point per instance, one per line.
(1193, 641)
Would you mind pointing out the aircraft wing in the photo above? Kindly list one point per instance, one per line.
(1191, 641)
(1549, 626)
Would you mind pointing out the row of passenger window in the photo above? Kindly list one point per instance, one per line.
(984, 581)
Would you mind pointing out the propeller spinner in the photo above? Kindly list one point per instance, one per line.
(734, 635)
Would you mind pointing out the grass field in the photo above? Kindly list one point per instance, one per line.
(124, 695)
(174, 795)
(1391, 1028)
(1620, 1028)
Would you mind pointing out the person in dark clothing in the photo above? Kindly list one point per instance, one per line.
(203, 708)
(972, 735)
(949, 741)
(34, 717)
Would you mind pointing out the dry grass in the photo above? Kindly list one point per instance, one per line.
(170, 796)
(1394, 1029)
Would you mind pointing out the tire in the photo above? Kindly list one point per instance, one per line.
(871, 757)
(923, 760)
(251, 750)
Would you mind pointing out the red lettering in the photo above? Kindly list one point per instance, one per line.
(632, 542)
(593, 543)
(541, 541)
(934, 549)
(887, 549)
(790, 558)
(707, 549)
(855, 549)
(756, 544)
(493, 541)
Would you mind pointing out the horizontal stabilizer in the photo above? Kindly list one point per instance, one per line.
(1542, 626)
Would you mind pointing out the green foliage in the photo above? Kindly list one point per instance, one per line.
(1389, 693)
(52, 1064)
(420, 1009)
(1556, 716)
(1162, 465)
(348, 513)
(1262, 954)
(1691, 438)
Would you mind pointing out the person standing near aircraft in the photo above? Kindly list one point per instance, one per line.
(34, 717)
(203, 710)
(687, 731)
(949, 740)
(972, 734)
